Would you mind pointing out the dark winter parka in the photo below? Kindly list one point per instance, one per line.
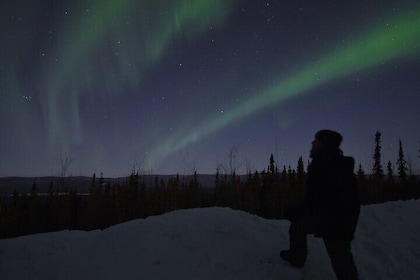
(332, 204)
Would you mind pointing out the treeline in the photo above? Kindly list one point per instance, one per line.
(267, 193)
(270, 193)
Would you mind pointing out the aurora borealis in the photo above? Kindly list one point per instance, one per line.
(171, 86)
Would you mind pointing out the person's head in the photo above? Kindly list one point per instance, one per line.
(326, 141)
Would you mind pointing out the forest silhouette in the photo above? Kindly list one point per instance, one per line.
(271, 193)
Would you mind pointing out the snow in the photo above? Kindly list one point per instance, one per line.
(213, 243)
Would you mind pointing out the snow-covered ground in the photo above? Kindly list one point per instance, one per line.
(213, 243)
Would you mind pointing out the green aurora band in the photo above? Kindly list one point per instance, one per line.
(144, 34)
(398, 39)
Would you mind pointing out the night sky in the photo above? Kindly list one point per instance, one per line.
(174, 86)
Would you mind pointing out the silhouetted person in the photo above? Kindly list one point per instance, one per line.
(330, 207)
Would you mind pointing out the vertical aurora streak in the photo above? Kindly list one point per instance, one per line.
(86, 38)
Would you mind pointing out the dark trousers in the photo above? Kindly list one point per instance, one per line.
(338, 249)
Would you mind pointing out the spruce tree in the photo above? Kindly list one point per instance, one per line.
(360, 172)
(272, 168)
(378, 171)
(390, 173)
(284, 174)
(402, 164)
(300, 172)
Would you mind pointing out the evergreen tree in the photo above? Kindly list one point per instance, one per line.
(284, 174)
(360, 172)
(402, 164)
(272, 168)
(378, 171)
(93, 184)
(255, 194)
(300, 172)
(376, 187)
(291, 173)
(390, 172)
(389, 187)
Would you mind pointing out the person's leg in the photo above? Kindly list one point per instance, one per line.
(298, 250)
(339, 251)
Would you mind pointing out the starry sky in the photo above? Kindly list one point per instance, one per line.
(176, 86)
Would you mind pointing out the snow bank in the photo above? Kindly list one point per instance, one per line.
(213, 243)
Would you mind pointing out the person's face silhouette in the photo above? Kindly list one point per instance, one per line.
(316, 148)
